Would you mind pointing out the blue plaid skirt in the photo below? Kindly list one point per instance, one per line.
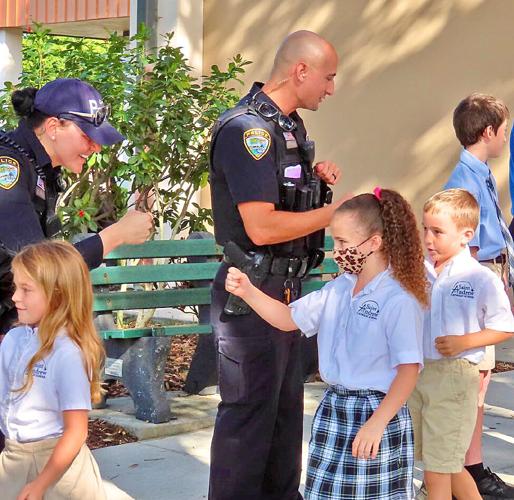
(334, 474)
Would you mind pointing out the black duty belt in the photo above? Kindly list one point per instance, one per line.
(292, 267)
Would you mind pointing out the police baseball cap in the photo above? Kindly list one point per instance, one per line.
(75, 100)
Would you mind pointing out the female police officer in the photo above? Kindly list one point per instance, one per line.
(60, 124)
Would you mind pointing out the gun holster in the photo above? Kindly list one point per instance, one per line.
(255, 265)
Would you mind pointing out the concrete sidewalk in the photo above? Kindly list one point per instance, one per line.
(177, 467)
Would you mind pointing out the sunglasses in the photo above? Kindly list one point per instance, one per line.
(267, 110)
(96, 118)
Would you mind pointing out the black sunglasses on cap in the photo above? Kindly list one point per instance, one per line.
(96, 118)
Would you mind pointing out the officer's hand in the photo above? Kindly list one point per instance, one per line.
(237, 283)
(328, 171)
(135, 227)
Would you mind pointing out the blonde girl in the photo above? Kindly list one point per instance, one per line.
(49, 374)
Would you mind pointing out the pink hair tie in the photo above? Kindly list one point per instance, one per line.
(378, 193)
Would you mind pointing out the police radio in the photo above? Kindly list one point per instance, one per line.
(255, 265)
(320, 193)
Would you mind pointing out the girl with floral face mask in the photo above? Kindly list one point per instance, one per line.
(369, 326)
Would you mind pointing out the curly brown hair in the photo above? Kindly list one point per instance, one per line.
(393, 218)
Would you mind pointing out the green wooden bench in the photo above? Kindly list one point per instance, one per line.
(138, 356)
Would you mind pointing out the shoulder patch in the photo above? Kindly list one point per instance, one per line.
(9, 172)
(257, 142)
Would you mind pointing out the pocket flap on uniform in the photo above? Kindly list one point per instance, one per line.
(241, 349)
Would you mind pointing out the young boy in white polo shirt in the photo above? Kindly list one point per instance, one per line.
(469, 310)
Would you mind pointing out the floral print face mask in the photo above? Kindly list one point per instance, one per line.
(351, 260)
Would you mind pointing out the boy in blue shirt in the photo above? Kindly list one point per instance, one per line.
(480, 123)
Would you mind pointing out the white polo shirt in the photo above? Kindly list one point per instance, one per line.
(362, 339)
(466, 297)
(60, 383)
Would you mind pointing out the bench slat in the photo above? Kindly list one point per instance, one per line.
(135, 333)
(173, 297)
(121, 301)
(142, 299)
(177, 248)
(130, 333)
(154, 273)
(172, 272)
(166, 248)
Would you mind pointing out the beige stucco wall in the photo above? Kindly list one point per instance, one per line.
(404, 66)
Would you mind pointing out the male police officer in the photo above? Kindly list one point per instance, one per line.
(269, 213)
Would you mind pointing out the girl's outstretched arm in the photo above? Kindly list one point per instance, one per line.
(367, 440)
(271, 310)
(67, 448)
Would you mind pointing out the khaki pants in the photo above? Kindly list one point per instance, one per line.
(20, 463)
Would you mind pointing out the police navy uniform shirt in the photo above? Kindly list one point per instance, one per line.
(19, 221)
(245, 168)
(362, 338)
(467, 297)
(60, 384)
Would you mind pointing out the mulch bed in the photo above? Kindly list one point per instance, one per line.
(502, 366)
(103, 434)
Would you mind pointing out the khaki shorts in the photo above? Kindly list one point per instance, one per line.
(443, 407)
(20, 463)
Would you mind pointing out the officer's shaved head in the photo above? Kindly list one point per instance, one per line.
(303, 73)
(301, 46)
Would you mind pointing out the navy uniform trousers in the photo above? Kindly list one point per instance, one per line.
(257, 444)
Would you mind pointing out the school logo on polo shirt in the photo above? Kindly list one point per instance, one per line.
(369, 309)
(257, 142)
(39, 369)
(463, 289)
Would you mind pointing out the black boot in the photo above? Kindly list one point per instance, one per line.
(492, 487)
